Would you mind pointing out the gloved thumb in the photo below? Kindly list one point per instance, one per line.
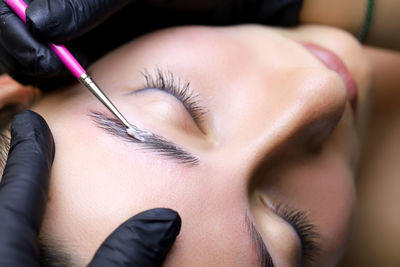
(23, 189)
(143, 240)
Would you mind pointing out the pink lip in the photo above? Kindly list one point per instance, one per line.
(333, 62)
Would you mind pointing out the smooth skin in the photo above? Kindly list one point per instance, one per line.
(376, 236)
(143, 240)
(278, 129)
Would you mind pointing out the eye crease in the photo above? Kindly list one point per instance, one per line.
(168, 82)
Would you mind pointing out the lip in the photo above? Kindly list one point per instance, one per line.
(335, 63)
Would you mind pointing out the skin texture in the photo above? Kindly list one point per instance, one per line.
(278, 129)
(376, 236)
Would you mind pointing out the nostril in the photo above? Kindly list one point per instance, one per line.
(317, 133)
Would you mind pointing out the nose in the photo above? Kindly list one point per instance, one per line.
(300, 108)
(313, 109)
(292, 106)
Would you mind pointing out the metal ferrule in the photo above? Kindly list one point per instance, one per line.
(92, 86)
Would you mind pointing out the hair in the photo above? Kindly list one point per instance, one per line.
(4, 147)
(53, 254)
(7, 112)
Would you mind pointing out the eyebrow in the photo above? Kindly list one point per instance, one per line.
(152, 142)
(115, 127)
(264, 257)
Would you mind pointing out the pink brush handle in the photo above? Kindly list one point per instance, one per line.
(19, 7)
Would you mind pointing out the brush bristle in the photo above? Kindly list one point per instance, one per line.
(132, 132)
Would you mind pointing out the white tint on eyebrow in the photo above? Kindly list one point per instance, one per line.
(152, 142)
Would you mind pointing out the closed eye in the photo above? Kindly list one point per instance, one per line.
(305, 230)
(168, 82)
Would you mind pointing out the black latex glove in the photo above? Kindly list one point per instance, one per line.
(143, 240)
(90, 28)
(25, 56)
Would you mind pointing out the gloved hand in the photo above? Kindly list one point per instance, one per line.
(143, 240)
(25, 56)
(90, 28)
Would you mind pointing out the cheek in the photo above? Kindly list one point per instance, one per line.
(325, 189)
(330, 196)
(336, 209)
(96, 186)
(97, 183)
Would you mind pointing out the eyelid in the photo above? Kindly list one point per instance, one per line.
(165, 111)
(171, 101)
(305, 230)
(167, 81)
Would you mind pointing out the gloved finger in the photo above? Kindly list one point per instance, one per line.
(60, 21)
(23, 57)
(24, 76)
(143, 240)
(16, 70)
(7, 63)
(19, 42)
(24, 188)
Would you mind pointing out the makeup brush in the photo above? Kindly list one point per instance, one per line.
(19, 7)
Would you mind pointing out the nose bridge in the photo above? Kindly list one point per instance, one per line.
(307, 101)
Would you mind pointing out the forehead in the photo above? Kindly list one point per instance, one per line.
(196, 50)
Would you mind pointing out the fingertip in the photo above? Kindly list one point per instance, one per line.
(158, 227)
(30, 126)
(169, 218)
(54, 21)
(143, 240)
(160, 214)
(38, 17)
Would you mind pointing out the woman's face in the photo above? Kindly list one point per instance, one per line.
(263, 144)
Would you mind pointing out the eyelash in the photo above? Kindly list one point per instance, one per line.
(297, 219)
(300, 222)
(167, 82)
